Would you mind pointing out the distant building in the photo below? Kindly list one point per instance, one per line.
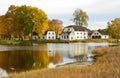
(49, 35)
(99, 34)
(74, 32)
(34, 35)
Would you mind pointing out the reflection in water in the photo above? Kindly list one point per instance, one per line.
(23, 60)
(56, 57)
(20, 58)
(69, 52)
(78, 49)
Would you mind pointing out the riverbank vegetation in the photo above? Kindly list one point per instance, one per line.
(21, 21)
(113, 28)
(32, 42)
(107, 65)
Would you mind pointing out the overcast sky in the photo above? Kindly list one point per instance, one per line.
(99, 11)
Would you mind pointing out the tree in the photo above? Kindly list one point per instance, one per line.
(1, 25)
(31, 18)
(56, 25)
(22, 21)
(114, 28)
(11, 21)
(80, 17)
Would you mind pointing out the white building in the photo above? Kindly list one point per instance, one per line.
(99, 34)
(34, 35)
(49, 35)
(74, 32)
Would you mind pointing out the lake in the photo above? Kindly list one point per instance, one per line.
(37, 56)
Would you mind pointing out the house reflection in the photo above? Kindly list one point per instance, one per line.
(78, 52)
(55, 56)
(58, 53)
(78, 49)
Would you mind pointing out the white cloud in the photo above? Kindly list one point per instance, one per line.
(106, 9)
(97, 25)
(67, 6)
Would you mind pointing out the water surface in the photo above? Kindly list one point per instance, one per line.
(21, 58)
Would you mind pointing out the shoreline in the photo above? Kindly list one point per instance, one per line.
(31, 42)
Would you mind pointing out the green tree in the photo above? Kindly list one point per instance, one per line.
(23, 20)
(31, 18)
(114, 28)
(56, 25)
(11, 21)
(11, 24)
(80, 17)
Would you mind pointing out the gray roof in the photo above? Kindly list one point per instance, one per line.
(47, 32)
(102, 32)
(34, 33)
(79, 28)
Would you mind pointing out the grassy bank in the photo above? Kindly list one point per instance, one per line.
(30, 42)
(106, 66)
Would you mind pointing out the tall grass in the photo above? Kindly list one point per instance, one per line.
(106, 66)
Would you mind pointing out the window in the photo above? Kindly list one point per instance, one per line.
(84, 33)
(67, 37)
(52, 37)
(49, 37)
(71, 38)
(105, 37)
(77, 37)
(97, 33)
(49, 33)
(53, 33)
(64, 37)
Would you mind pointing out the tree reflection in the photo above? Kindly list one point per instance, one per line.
(41, 59)
(23, 60)
(55, 57)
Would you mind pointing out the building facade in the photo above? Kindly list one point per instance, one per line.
(34, 35)
(74, 32)
(99, 34)
(50, 35)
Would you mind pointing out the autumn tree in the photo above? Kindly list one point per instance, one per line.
(23, 20)
(31, 18)
(114, 28)
(80, 17)
(1, 24)
(11, 25)
(56, 25)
